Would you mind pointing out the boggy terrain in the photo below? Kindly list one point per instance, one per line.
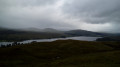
(61, 53)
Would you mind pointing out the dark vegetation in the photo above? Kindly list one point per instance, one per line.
(112, 38)
(10, 45)
(62, 53)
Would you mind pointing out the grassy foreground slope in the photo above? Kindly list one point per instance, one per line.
(62, 53)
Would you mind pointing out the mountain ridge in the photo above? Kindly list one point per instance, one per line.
(19, 34)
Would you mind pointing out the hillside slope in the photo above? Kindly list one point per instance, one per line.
(110, 38)
(85, 33)
(28, 34)
(62, 53)
(19, 35)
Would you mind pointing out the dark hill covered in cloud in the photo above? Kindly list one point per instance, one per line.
(20, 35)
(48, 33)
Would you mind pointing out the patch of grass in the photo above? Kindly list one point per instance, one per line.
(61, 53)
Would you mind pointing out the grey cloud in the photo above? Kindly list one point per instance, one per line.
(94, 11)
(31, 13)
(20, 12)
(61, 14)
(26, 2)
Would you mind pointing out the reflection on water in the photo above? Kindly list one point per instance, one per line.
(83, 38)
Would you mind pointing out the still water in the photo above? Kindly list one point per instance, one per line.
(82, 38)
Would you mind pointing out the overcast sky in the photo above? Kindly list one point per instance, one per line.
(92, 15)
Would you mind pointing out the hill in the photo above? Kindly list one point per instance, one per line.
(41, 30)
(110, 38)
(20, 35)
(84, 33)
(34, 33)
(62, 53)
